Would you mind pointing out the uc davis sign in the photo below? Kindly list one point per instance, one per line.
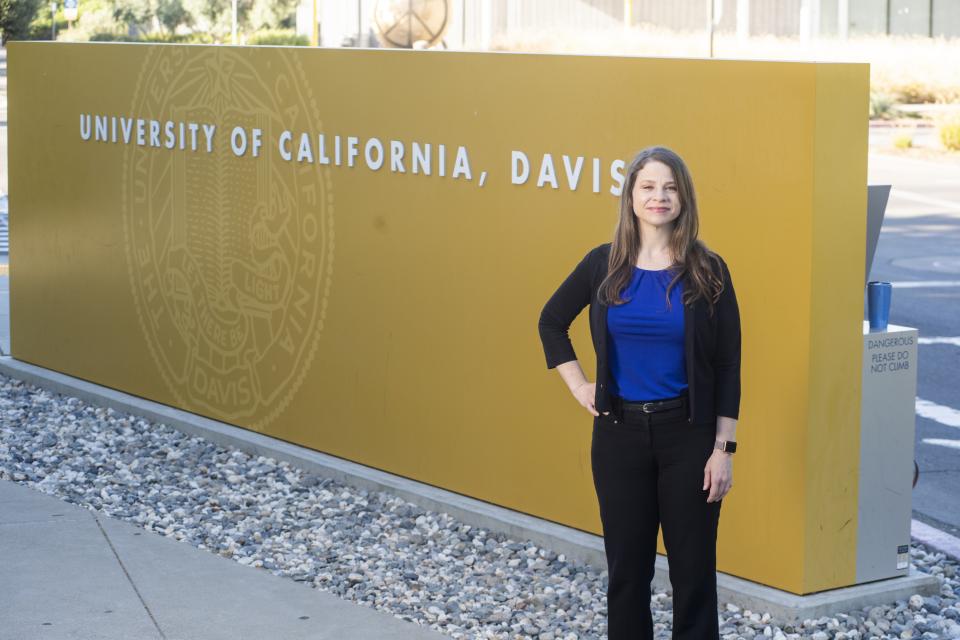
(349, 249)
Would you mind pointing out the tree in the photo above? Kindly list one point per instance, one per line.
(136, 14)
(15, 18)
(172, 14)
(273, 14)
(214, 16)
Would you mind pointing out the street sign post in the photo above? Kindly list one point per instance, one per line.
(70, 10)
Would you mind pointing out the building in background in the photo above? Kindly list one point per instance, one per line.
(473, 24)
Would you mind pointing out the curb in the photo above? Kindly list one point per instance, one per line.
(936, 539)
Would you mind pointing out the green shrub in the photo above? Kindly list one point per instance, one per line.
(159, 37)
(41, 27)
(198, 37)
(882, 106)
(186, 38)
(107, 36)
(95, 16)
(278, 37)
(950, 133)
(915, 93)
(903, 140)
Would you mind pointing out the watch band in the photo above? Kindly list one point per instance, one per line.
(727, 446)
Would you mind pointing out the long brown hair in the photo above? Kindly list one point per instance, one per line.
(691, 256)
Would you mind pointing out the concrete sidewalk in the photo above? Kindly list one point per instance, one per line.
(66, 572)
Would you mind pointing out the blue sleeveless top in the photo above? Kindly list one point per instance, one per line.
(646, 341)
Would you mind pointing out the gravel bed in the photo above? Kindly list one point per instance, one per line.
(369, 547)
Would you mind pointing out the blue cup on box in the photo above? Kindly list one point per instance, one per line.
(878, 304)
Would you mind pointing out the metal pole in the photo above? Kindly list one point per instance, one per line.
(931, 19)
(486, 24)
(843, 19)
(463, 24)
(743, 19)
(710, 24)
(815, 19)
(234, 21)
(315, 31)
(888, 17)
(627, 13)
(804, 20)
(359, 22)
(53, 19)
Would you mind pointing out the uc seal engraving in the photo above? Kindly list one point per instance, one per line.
(230, 258)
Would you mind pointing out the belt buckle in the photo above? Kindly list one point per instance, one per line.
(647, 407)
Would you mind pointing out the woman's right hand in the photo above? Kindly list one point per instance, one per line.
(585, 394)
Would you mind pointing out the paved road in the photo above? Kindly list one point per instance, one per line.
(920, 244)
(4, 279)
(3, 120)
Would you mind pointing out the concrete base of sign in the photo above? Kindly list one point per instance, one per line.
(575, 544)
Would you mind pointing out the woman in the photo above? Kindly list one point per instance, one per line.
(666, 331)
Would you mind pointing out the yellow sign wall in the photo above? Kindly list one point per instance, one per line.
(349, 249)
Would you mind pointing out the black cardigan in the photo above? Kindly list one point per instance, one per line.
(712, 343)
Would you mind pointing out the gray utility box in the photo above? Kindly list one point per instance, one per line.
(887, 426)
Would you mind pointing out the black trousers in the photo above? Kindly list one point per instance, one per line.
(650, 474)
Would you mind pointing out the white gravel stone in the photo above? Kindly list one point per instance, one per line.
(370, 547)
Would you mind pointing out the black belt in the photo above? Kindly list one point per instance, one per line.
(625, 408)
